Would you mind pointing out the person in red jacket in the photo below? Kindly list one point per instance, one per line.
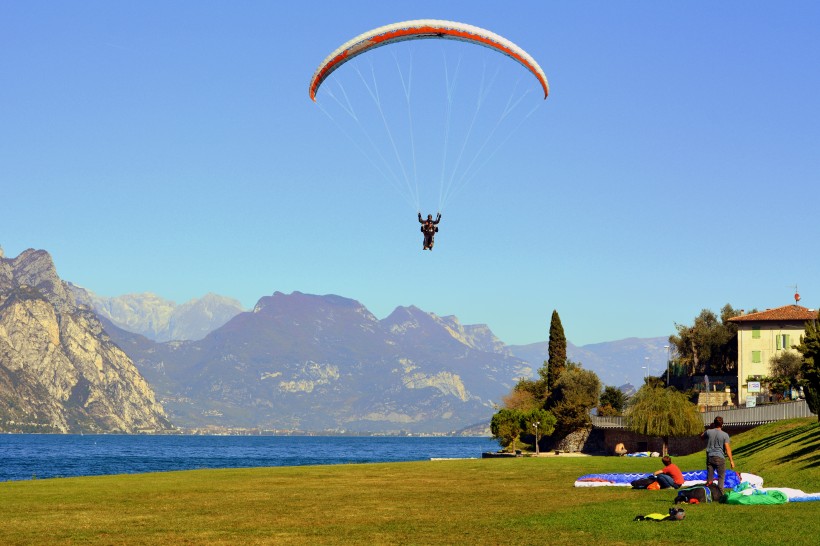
(670, 475)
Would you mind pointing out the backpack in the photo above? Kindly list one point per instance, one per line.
(700, 493)
(642, 483)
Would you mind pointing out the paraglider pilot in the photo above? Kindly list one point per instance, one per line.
(428, 227)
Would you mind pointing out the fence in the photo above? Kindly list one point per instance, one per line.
(732, 417)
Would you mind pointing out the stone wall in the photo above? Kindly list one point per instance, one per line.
(602, 441)
(716, 398)
(638, 442)
(586, 440)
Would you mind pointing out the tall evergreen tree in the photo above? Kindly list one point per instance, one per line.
(556, 352)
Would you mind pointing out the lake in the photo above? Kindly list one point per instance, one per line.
(30, 456)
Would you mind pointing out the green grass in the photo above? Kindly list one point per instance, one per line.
(489, 501)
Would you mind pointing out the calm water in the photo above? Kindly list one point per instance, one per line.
(24, 456)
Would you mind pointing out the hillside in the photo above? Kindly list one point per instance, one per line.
(785, 454)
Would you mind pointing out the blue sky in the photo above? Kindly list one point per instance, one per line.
(171, 147)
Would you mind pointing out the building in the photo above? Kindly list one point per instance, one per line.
(764, 335)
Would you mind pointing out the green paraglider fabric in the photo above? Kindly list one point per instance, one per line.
(757, 497)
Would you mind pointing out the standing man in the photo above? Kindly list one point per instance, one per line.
(717, 442)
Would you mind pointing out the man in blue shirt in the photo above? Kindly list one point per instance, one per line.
(717, 443)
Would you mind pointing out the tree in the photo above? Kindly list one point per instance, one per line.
(605, 410)
(578, 386)
(556, 351)
(576, 392)
(708, 346)
(508, 425)
(654, 381)
(658, 411)
(505, 427)
(810, 368)
(612, 398)
(785, 372)
(525, 396)
(541, 387)
(546, 424)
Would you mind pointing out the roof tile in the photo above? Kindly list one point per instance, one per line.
(787, 312)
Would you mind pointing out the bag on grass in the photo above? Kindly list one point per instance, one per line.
(700, 493)
(642, 483)
(675, 514)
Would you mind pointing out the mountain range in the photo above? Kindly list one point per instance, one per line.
(302, 361)
(307, 362)
(617, 363)
(295, 362)
(159, 319)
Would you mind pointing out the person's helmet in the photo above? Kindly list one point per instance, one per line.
(677, 513)
(429, 216)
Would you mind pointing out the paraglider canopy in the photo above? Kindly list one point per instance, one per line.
(418, 29)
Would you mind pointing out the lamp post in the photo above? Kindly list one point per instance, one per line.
(667, 364)
(535, 424)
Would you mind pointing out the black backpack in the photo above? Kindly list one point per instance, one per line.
(642, 483)
(701, 493)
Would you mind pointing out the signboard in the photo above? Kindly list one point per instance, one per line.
(753, 386)
(751, 401)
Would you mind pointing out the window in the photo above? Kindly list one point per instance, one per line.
(782, 341)
(755, 333)
(756, 357)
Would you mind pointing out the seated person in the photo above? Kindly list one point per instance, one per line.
(670, 475)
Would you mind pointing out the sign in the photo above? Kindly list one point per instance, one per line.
(751, 401)
(753, 386)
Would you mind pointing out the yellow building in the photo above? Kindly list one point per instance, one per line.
(763, 335)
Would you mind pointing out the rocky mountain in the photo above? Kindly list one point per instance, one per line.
(310, 362)
(477, 336)
(59, 370)
(160, 319)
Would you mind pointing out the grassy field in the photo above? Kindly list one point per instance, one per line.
(489, 501)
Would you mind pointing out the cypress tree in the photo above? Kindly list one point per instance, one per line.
(557, 351)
